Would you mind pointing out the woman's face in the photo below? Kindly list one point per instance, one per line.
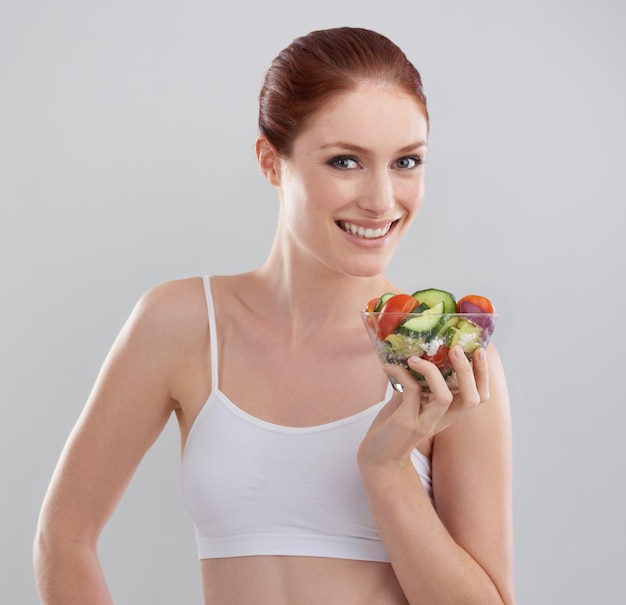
(355, 179)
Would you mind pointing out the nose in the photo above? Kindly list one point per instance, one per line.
(377, 197)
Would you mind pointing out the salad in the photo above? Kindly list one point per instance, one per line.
(428, 323)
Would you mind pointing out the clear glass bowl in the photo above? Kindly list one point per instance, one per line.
(398, 336)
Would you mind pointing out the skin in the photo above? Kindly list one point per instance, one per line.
(341, 170)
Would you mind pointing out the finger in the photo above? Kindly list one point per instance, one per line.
(414, 397)
(419, 412)
(465, 377)
(481, 373)
(435, 380)
(440, 398)
(411, 389)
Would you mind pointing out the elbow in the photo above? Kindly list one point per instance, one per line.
(46, 550)
(67, 570)
(43, 549)
(58, 555)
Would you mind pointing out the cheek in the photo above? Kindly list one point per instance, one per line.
(413, 195)
(318, 197)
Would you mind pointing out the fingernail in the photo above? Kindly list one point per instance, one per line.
(457, 351)
(480, 354)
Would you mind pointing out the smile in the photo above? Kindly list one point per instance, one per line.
(365, 232)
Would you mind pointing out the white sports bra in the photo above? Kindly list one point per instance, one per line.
(257, 488)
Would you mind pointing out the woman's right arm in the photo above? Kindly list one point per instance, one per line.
(128, 408)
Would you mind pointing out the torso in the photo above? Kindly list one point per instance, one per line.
(351, 375)
(299, 581)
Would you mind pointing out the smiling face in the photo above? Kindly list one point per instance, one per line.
(354, 180)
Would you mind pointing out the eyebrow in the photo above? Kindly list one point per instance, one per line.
(359, 149)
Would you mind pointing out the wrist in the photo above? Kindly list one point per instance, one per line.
(389, 475)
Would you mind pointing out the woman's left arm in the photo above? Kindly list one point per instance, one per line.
(460, 550)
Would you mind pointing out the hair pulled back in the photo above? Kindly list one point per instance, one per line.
(317, 67)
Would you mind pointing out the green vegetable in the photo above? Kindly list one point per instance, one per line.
(425, 322)
(433, 296)
(383, 299)
(466, 334)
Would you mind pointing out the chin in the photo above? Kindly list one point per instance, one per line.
(366, 269)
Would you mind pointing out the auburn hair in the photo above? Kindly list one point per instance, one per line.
(317, 67)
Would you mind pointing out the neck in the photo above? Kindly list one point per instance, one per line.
(301, 288)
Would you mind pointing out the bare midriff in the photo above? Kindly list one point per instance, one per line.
(285, 580)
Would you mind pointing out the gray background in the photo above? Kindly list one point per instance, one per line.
(126, 159)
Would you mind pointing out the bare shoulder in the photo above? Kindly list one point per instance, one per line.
(173, 312)
(174, 300)
(167, 328)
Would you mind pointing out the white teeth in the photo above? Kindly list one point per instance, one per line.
(365, 233)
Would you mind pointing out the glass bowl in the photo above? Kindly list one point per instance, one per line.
(398, 336)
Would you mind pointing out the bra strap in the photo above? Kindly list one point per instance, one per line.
(213, 329)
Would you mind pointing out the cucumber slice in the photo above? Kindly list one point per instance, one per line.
(432, 296)
(425, 322)
(383, 299)
(466, 334)
(420, 308)
(451, 322)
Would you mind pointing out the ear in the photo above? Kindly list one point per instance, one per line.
(268, 159)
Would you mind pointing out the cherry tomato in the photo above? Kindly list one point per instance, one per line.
(369, 308)
(440, 358)
(371, 305)
(480, 301)
(393, 312)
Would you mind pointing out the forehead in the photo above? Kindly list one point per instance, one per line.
(372, 116)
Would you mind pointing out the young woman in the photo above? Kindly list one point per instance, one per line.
(308, 478)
